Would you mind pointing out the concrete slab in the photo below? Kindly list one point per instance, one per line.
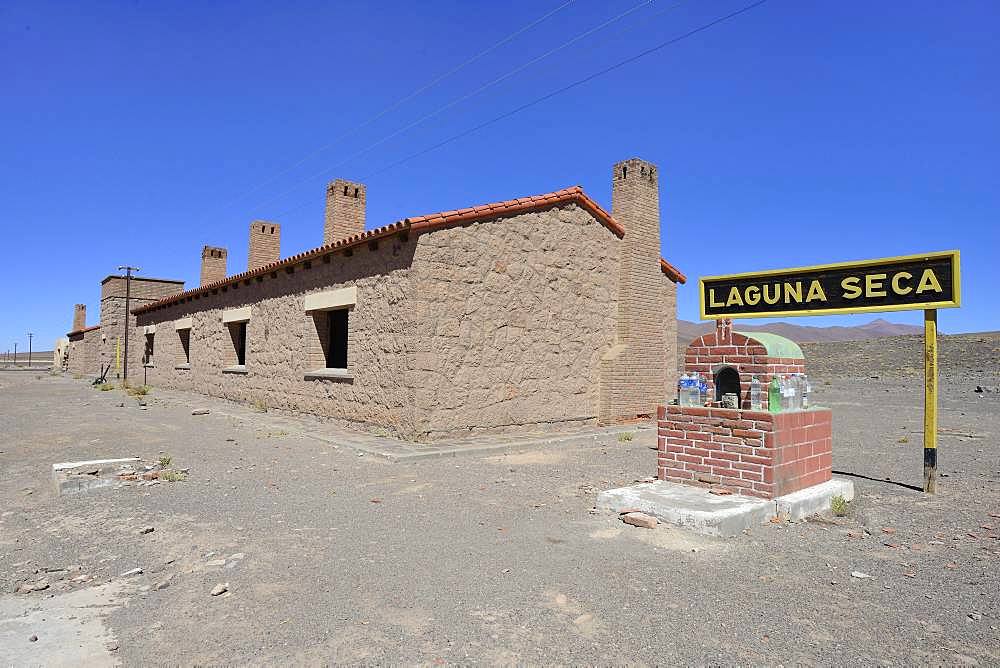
(73, 477)
(70, 629)
(697, 509)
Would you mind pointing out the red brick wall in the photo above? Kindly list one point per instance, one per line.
(753, 453)
(724, 347)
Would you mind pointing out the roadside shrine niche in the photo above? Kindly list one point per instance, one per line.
(748, 452)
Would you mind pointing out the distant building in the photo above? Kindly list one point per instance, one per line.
(102, 346)
(531, 313)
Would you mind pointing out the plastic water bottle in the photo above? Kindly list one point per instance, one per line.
(756, 401)
(685, 394)
(774, 395)
(806, 391)
(702, 390)
(680, 389)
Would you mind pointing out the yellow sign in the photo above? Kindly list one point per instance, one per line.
(927, 281)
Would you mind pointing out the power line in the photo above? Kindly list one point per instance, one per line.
(575, 84)
(460, 99)
(398, 103)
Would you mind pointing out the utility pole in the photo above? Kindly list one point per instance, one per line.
(128, 293)
(29, 349)
(15, 354)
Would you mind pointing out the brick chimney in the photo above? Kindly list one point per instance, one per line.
(345, 210)
(634, 374)
(213, 264)
(265, 244)
(79, 317)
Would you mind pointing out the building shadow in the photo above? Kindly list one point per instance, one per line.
(885, 481)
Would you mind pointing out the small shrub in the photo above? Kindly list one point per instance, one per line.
(173, 476)
(77, 376)
(105, 387)
(140, 391)
(164, 461)
(838, 506)
(904, 439)
(624, 436)
(260, 405)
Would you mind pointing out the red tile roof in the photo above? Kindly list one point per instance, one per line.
(84, 330)
(419, 224)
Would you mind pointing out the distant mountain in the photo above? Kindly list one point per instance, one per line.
(686, 330)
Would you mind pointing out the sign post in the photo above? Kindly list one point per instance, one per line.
(927, 282)
(930, 400)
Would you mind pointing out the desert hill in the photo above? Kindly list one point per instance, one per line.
(686, 330)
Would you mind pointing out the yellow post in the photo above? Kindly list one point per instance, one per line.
(930, 400)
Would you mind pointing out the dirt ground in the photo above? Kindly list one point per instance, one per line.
(332, 557)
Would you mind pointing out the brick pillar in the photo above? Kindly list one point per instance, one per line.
(345, 210)
(265, 244)
(79, 317)
(213, 264)
(635, 374)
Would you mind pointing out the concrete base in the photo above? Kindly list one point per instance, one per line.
(696, 509)
(72, 477)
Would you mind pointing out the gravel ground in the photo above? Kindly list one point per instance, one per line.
(331, 557)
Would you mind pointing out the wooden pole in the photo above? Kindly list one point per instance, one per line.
(930, 400)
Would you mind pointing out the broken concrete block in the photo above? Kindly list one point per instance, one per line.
(72, 477)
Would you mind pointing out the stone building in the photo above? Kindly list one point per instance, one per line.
(94, 348)
(531, 313)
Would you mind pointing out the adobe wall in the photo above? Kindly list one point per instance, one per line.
(492, 325)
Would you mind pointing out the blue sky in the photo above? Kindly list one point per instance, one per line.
(795, 133)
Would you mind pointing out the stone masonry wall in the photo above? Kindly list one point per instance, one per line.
(280, 335)
(493, 325)
(510, 319)
(83, 348)
(112, 333)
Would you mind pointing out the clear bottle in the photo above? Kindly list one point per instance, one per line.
(806, 391)
(794, 395)
(702, 390)
(756, 401)
(681, 385)
(774, 395)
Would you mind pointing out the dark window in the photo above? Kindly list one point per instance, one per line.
(238, 331)
(336, 349)
(185, 335)
(147, 356)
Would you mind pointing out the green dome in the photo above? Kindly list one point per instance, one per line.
(777, 346)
